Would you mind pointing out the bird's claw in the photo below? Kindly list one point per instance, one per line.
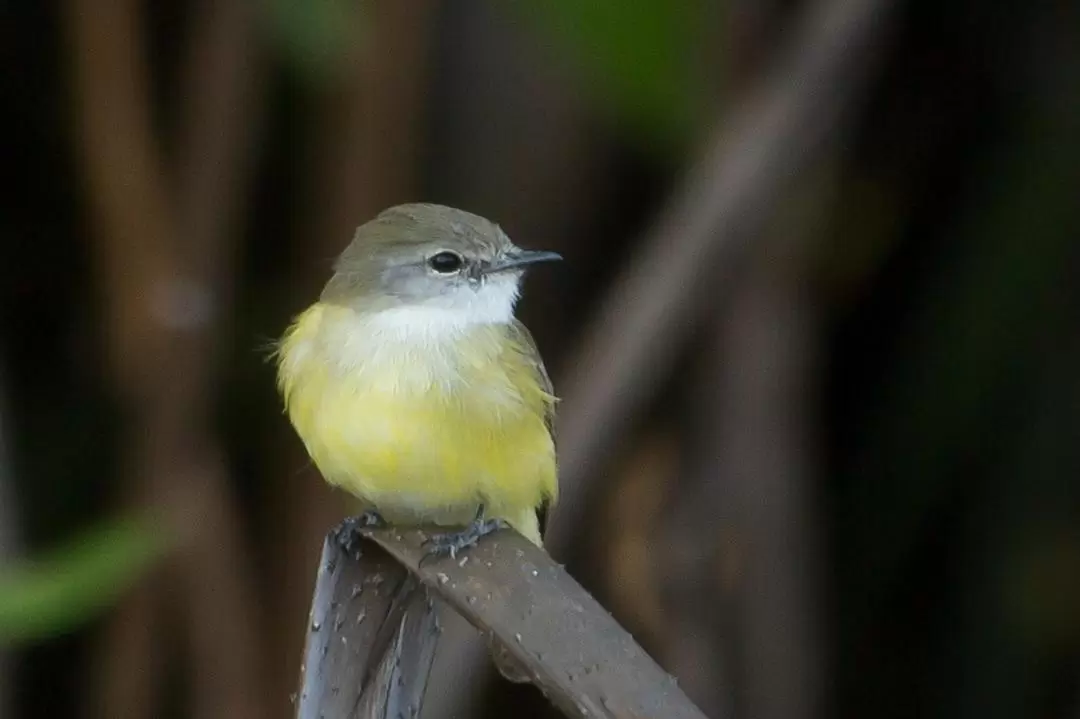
(348, 532)
(450, 543)
(370, 518)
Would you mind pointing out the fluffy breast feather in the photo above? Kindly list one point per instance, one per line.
(415, 411)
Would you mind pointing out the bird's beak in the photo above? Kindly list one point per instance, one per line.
(520, 258)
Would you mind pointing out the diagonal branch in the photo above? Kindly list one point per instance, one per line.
(724, 201)
(510, 590)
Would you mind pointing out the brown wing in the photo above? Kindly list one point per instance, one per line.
(521, 336)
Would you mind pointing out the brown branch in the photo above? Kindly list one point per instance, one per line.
(163, 262)
(746, 513)
(725, 200)
(741, 568)
(371, 640)
(129, 206)
(527, 605)
(763, 438)
(221, 93)
(222, 87)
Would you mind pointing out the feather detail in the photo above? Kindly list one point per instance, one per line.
(423, 417)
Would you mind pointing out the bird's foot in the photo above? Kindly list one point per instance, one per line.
(348, 532)
(370, 518)
(450, 543)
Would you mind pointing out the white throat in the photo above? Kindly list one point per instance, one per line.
(449, 315)
(413, 347)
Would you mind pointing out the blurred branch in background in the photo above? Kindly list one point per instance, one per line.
(777, 129)
(163, 263)
(745, 522)
(743, 567)
(221, 80)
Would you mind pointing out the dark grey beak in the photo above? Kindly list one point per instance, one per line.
(521, 258)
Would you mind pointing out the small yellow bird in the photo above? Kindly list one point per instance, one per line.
(415, 388)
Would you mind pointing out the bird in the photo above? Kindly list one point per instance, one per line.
(414, 387)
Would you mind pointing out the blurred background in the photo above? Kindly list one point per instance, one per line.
(816, 334)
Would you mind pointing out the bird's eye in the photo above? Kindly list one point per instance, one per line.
(446, 262)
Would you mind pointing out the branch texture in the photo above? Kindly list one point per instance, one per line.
(527, 606)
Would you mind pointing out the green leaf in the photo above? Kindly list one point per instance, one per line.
(73, 583)
(637, 54)
(313, 36)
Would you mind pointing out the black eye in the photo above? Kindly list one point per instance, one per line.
(446, 262)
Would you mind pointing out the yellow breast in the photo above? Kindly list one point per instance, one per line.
(419, 420)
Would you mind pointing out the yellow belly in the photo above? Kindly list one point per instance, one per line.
(416, 444)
